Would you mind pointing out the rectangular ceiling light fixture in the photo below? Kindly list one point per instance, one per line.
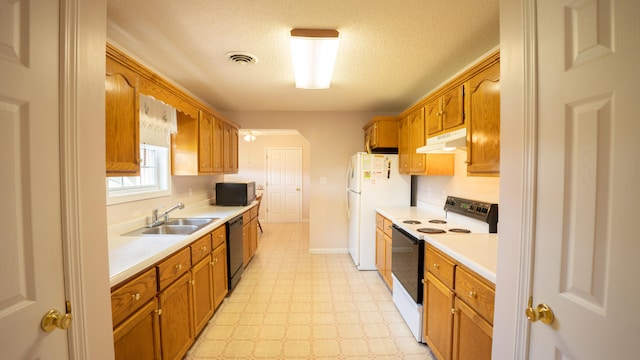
(313, 53)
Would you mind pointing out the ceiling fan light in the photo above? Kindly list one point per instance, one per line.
(313, 53)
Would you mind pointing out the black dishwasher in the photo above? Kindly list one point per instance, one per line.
(234, 251)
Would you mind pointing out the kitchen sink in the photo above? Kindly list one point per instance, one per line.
(177, 226)
(189, 221)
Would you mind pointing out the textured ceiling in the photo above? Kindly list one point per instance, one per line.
(392, 52)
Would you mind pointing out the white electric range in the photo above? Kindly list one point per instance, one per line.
(459, 216)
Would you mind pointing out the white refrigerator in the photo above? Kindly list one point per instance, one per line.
(372, 181)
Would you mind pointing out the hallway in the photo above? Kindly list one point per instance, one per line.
(292, 304)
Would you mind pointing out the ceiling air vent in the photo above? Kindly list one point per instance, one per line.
(241, 58)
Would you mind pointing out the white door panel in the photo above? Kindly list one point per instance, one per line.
(31, 252)
(284, 184)
(586, 242)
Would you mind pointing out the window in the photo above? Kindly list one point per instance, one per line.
(152, 182)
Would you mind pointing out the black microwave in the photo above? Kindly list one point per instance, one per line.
(235, 193)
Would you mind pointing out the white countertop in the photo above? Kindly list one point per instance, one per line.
(128, 255)
(478, 252)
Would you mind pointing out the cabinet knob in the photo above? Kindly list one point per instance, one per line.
(136, 297)
(178, 267)
(436, 266)
(204, 249)
(473, 294)
(453, 311)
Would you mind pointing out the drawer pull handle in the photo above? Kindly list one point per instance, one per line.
(436, 266)
(204, 249)
(178, 267)
(473, 294)
(135, 297)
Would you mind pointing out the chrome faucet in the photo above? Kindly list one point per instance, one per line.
(164, 217)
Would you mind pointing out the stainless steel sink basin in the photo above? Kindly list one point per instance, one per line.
(189, 221)
(177, 226)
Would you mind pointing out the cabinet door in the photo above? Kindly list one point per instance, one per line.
(246, 248)
(453, 108)
(483, 154)
(380, 252)
(176, 320)
(253, 236)
(472, 335)
(205, 143)
(387, 261)
(202, 283)
(122, 121)
(438, 319)
(403, 146)
(218, 146)
(230, 145)
(433, 116)
(220, 281)
(417, 138)
(138, 337)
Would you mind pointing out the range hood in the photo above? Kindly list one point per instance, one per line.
(445, 143)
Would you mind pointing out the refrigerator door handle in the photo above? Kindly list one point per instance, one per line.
(349, 170)
(348, 205)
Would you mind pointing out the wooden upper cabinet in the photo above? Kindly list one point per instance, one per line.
(205, 142)
(218, 146)
(184, 146)
(483, 104)
(230, 146)
(403, 146)
(122, 120)
(381, 134)
(417, 139)
(425, 164)
(445, 112)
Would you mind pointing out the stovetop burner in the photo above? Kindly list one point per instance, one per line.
(460, 231)
(431, 231)
(436, 221)
(414, 222)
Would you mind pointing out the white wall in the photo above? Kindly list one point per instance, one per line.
(434, 189)
(187, 189)
(333, 137)
(252, 163)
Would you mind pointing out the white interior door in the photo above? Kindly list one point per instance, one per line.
(586, 242)
(284, 184)
(31, 257)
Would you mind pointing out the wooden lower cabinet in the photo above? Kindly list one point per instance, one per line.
(138, 337)
(249, 234)
(158, 313)
(458, 314)
(176, 318)
(202, 283)
(220, 286)
(438, 319)
(383, 249)
(472, 335)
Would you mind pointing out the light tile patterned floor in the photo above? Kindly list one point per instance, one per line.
(291, 304)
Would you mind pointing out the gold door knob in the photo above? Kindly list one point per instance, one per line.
(542, 312)
(54, 319)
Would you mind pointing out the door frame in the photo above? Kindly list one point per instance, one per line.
(83, 211)
(519, 75)
(266, 175)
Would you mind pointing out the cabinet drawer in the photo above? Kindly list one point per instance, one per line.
(128, 298)
(476, 293)
(379, 221)
(254, 212)
(246, 217)
(200, 248)
(441, 267)
(174, 266)
(386, 223)
(219, 236)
